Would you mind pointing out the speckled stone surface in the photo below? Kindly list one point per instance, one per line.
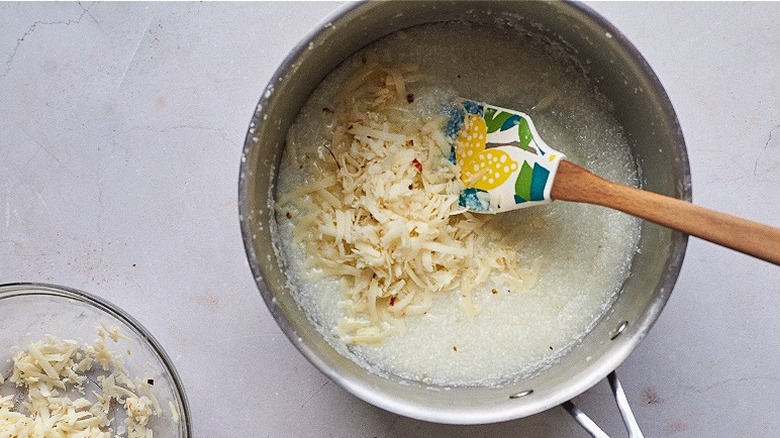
(121, 126)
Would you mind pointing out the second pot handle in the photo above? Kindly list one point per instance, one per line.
(622, 403)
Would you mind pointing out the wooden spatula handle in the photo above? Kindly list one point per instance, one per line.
(573, 183)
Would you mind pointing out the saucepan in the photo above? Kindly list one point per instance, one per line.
(650, 125)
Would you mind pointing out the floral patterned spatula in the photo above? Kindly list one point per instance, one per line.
(505, 165)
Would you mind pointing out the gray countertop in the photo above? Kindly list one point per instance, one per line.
(121, 127)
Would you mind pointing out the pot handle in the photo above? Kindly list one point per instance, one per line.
(622, 403)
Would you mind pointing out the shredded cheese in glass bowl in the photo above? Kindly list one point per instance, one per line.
(73, 365)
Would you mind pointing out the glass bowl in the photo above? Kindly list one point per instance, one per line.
(29, 312)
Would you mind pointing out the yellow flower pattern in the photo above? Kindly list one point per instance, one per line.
(483, 169)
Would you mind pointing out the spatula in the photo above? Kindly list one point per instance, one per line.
(505, 165)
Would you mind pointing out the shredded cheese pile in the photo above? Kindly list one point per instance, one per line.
(54, 373)
(381, 210)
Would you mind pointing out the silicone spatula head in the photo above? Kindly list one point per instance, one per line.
(504, 163)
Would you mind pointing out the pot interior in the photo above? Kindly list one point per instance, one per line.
(641, 108)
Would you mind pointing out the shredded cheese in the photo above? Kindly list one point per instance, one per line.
(380, 210)
(49, 373)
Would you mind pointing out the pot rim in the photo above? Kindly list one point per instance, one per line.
(599, 368)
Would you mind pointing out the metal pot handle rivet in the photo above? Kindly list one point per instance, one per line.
(618, 330)
(521, 394)
(622, 403)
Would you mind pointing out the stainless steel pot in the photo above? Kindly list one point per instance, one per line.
(649, 122)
